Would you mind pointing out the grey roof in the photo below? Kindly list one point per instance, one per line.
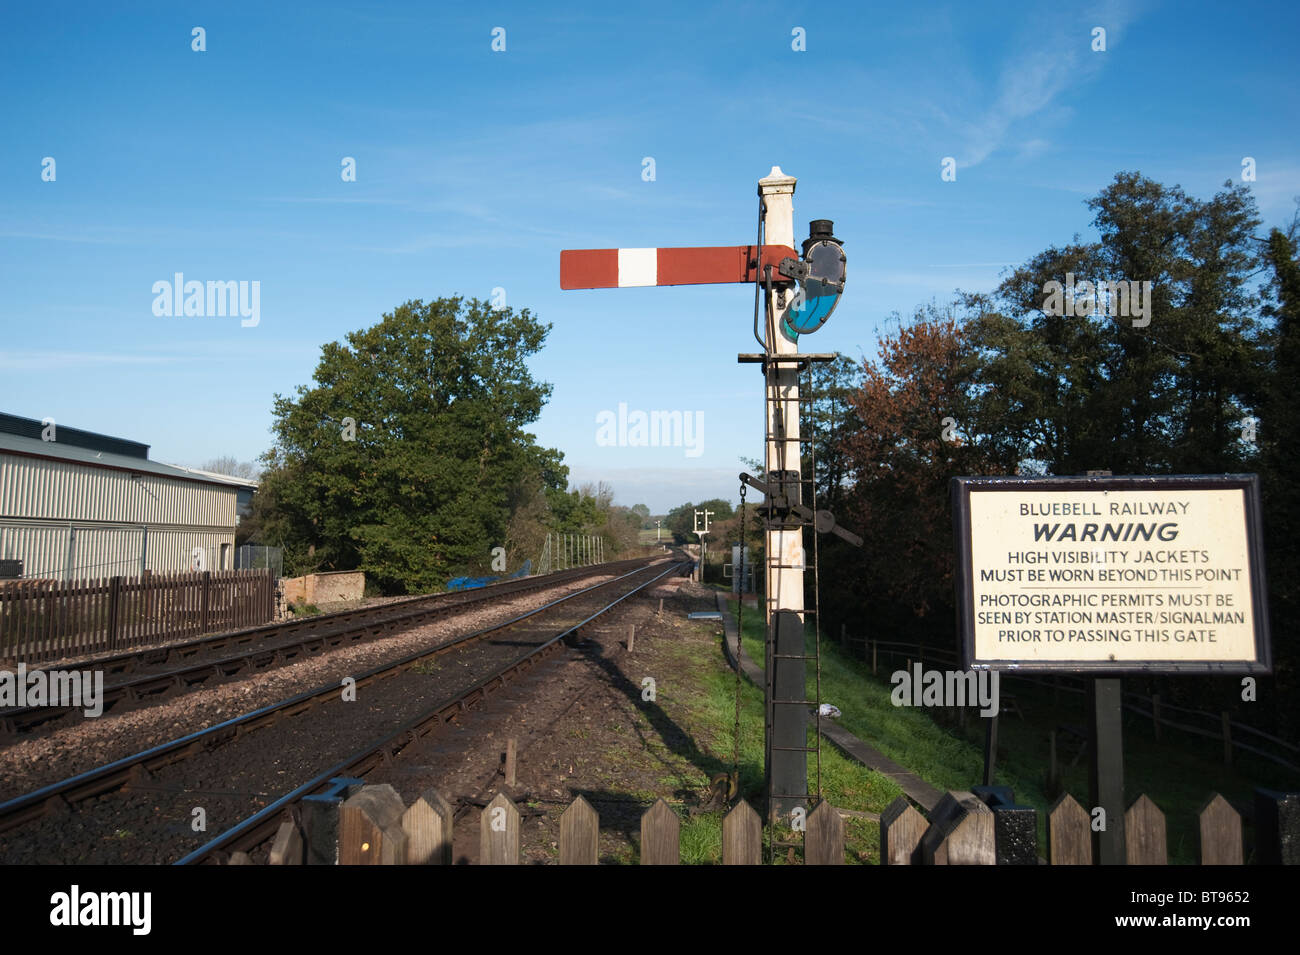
(217, 476)
(78, 455)
(31, 428)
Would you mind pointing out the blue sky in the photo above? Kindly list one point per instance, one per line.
(475, 168)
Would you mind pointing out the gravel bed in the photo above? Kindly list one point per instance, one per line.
(47, 755)
(154, 823)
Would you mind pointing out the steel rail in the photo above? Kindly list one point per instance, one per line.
(262, 825)
(57, 796)
(339, 629)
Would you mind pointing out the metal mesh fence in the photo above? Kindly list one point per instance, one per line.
(258, 556)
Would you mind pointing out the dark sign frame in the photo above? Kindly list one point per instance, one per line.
(964, 578)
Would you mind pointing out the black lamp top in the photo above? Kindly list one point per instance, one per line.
(819, 229)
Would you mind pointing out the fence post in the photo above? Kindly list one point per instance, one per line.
(114, 600)
(204, 599)
(499, 832)
(742, 836)
(288, 846)
(661, 833)
(428, 826)
(56, 613)
(1220, 827)
(901, 830)
(1069, 833)
(1144, 833)
(370, 828)
(961, 832)
(579, 834)
(823, 840)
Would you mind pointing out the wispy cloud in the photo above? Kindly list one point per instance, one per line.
(51, 360)
(1060, 59)
(971, 265)
(338, 200)
(61, 237)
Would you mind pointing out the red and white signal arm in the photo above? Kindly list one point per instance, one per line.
(632, 268)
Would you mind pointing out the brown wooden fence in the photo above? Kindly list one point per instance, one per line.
(374, 827)
(48, 619)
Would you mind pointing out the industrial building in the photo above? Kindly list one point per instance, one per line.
(78, 505)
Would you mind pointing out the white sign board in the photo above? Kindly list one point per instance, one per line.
(1123, 573)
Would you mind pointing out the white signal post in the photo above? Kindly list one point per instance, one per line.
(787, 769)
(784, 547)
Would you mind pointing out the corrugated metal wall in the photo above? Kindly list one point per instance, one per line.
(36, 487)
(45, 506)
(98, 551)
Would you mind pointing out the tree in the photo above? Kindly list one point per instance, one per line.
(408, 457)
(1280, 470)
(830, 417)
(920, 426)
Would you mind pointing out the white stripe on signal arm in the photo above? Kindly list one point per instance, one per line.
(638, 267)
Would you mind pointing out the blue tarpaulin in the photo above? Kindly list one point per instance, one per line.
(470, 583)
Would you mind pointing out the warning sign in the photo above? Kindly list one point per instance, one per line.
(1111, 573)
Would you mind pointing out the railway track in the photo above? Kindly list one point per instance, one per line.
(240, 764)
(151, 673)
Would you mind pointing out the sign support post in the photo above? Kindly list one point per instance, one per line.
(1106, 767)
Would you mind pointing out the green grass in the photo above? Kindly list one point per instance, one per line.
(1178, 774)
(711, 704)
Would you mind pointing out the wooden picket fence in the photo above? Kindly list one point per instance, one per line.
(372, 826)
(964, 829)
(48, 619)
